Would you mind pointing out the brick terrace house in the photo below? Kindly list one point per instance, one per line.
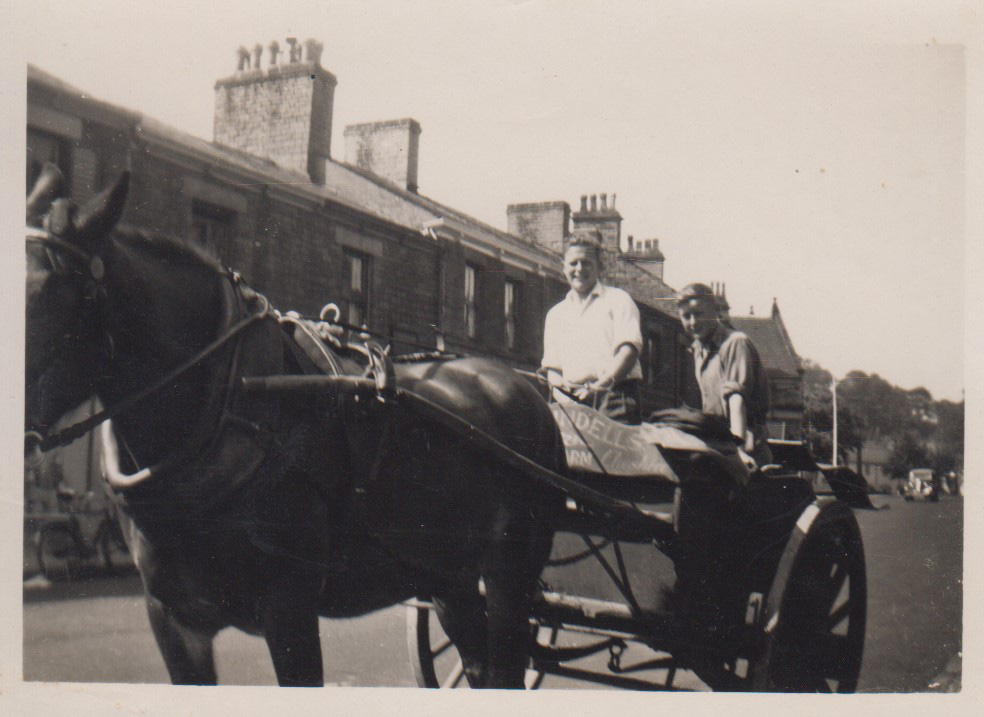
(267, 198)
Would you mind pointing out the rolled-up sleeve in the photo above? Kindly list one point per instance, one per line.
(625, 323)
(737, 367)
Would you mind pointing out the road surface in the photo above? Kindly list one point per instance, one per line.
(97, 630)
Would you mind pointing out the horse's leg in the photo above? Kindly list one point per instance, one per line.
(509, 599)
(461, 612)
(511, 572)
(187, 652)
(290, 625)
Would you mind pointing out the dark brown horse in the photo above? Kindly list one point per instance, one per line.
(264, 511)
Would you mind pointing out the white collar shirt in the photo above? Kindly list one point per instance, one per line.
(581, 336)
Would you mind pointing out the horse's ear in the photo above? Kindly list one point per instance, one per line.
(47, 187)
(99, 215)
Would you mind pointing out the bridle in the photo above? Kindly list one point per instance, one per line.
(36, 443)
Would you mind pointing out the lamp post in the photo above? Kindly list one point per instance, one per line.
(833, 391)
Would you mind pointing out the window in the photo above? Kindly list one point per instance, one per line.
(653, 364)
(471, 301)
(509, 311)
(211, 227)
(357, 284)
(43, 147)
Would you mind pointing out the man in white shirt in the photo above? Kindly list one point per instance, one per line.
(592, 340)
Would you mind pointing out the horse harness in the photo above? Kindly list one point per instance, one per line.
(243, 308)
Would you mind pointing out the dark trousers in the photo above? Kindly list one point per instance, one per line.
(621, 403)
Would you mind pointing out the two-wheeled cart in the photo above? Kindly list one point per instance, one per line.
(667, 565)
(763, 590)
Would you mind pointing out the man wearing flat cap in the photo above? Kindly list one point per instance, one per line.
(592, 339)
(729, 371)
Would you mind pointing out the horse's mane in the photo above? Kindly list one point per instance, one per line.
(167, 246)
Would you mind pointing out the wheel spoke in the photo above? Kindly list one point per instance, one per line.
(838, 616)
(836, 581)
(533, 678)
(440, 649)
(454, 678)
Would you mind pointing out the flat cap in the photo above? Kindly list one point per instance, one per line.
(695, 291)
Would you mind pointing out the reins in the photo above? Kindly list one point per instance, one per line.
(77, 430)
(35, 441)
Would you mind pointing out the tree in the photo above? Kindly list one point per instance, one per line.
(909, 453)
(948, 437)
(883, 409)
(925, 432)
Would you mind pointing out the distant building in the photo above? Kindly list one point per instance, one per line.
(783, 367)
(873, 462)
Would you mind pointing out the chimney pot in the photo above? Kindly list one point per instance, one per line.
(594, 202)
(613, 200)
(604, 202)
(274, 48)
(295, 51)
(630, 242)
(257, 55)
(242, 59)
(584, 202)
(312, 51)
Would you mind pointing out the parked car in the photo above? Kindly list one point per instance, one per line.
(921, 485)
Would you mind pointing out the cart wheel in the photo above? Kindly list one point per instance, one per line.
(435, 660)
(812, 628)
(59, 553)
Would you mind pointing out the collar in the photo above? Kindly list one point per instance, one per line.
(597, 291)
(718, 337)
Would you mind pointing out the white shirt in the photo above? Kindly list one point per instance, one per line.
(581, 336)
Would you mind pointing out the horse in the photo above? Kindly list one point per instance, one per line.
(266, 510)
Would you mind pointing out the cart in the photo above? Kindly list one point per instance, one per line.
(759, 590)
(768, 595)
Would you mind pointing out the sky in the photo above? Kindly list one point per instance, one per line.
(814, 157)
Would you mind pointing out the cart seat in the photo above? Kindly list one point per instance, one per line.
(595, 444)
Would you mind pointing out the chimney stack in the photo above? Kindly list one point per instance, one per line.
(544, 223)
(604, 219)
(387, 149)
(282, 113)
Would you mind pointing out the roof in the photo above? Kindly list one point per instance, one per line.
(643, 286)
(344, 184)
(772, 342)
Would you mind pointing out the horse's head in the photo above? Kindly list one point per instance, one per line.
(67, 248)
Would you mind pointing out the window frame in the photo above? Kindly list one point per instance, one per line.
(63, 154)
(470, 300)
(357, 297)
(510, 311)
(219, 224)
